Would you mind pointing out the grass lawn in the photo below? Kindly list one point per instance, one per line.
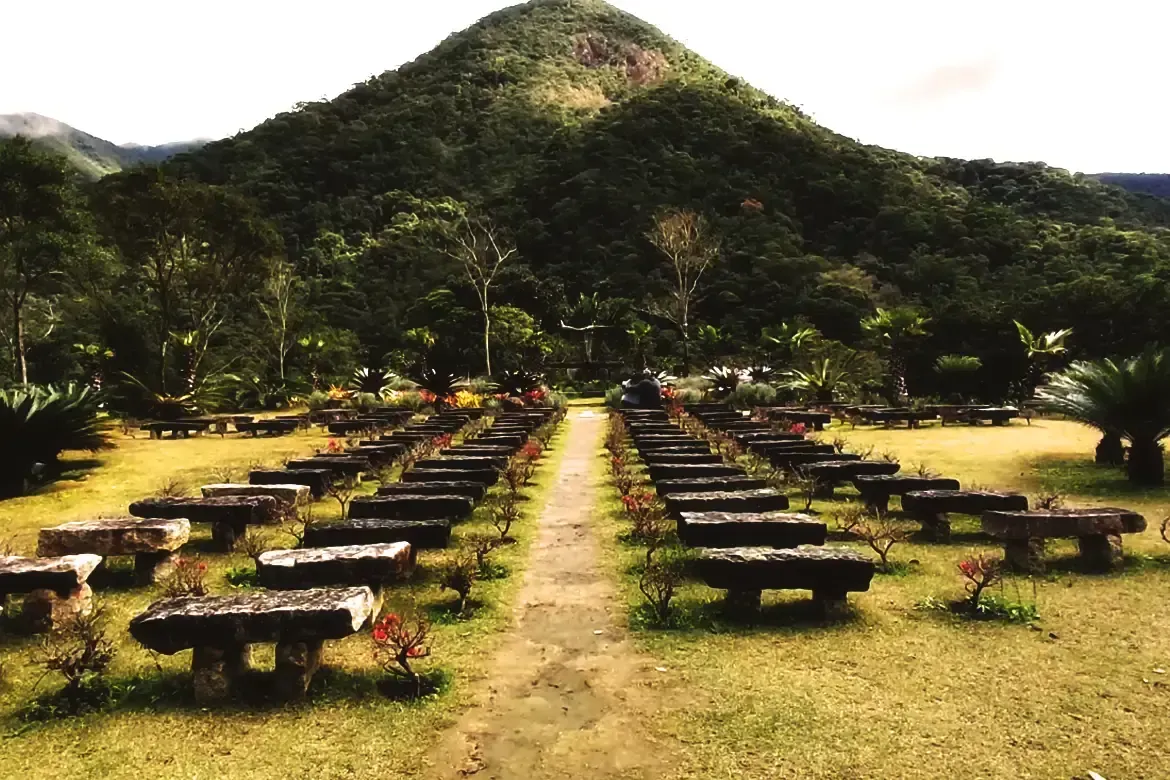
(896, 691)
(346, 729)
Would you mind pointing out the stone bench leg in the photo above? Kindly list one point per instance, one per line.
(831, 603)
(151, 567)
(45, 610)
(225, 535)
(1026, 555)
(877, 504)
(742, 603)
(936, 526)
(296, 663)
(1100, 553)
(824, 489)
(215, 670)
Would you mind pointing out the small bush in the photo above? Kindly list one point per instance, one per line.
(659, 583)
(880, 535)
(848, 516)
(342, 491)
(254, 543)
(398, 643)
(171, 488)
(482, 546)
(751, 395)
(1048, 501)
(187, 578)
(459, 575)
(613, 397)
(505, 514)
(80, 651)
(980, 572)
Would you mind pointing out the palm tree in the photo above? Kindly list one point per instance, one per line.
(1041, 351)
(1126, 400)
(822, 379)
(788, 337)
(896, 329)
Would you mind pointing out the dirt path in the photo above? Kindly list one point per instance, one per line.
(569, 695)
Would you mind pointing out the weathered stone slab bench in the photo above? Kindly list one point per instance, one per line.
(750, 437)
(1097, 531)
(996, 416)
(380, 455)
(478, 450)
(176, 428)
(152, 541)
(933, 507)
(816, 420)
(220, 630)
(676, 446)
(752, 501)
(515, 442)
(463, 463)
(229, 516)
(316, 480)
(876, 489)
(887, 417)
(482, 476)
(709, 485)
(372, 565)
(348, 427)
(291, 495)
(791, 448)
(269, 427)
(669, 458)
(54, 588)
(473, 490)
(829, 572)
(831, 473)
(749, 529)
(341, 465)
(419, 534)
(408, 506)
(690, 470)
(798, 459)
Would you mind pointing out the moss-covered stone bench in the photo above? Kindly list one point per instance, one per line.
(709, 485)
(269, 427)
(407, 506)
(373, 565)
(670, 458)
(316, 480)
(473, 490)
(796, 460)
(829, 572)
(221, 629)
(932, 508)
(749, 529)
(151, 541)
(464, 463)
(763, 500)
(419, 534)
(54, 589)
(229, 516)
(876, 489)
(515, 442)
(1098, 532)
(830, 474)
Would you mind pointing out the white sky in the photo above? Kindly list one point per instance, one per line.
(1081, 85)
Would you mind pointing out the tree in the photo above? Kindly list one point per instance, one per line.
(1130, 399)
(684, 238)
(42, 230)
(280, 304)
(955, 372)
(788, 338)
(590, 314)
(822, 380)
(1042, 350)
(896, 329)
(483, 253)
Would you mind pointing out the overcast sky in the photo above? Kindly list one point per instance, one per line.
(1081, 85)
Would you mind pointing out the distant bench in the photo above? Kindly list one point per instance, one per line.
(933, 507)
(1097, 531)
(829, 572)
(176, 428)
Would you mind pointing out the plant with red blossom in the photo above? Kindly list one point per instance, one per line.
(535, 397)
(646, 513)
(427, 396)
(397, 642)
(188, 577)
(980, 572)
(333, 447)
(797, 428)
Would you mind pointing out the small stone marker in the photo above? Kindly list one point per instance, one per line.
(152, 542)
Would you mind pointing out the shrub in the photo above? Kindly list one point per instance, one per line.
(188, 577)
(646, 513)
(254, 543)
(752, 395)
(459, 575)
(658, 584)
(880, 534)
(342, 491)
(505, 514)
(848, 516)
(1048, 501)
(171, 488)
(1165, 530)
(38, 423)
(80, 651)
(399, 641)
(613, 397)
(317, 400)
(980, 572)
(482, 546)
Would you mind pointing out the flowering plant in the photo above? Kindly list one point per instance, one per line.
(398, 641)
(427, 396)
(535, 397)
(464, 399)
(338, 393)
(980, 571)
(797, 428)
(333, 447)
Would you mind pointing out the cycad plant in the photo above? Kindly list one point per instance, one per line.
(38, 423)
(955, 372)
(1128, 400)
(895, 330)
(724, 380)
(822, 380)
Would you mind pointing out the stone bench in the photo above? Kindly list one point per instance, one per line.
(888, 417)
(229, 516)
(749, 529)
(473, 490)
(689, 470)
(876, 489)
(516, 442)
(291, 495)
(220, 630)
(763, 437)
(1097, 531)
(341, 465)
(54, 589)
(372, 565)
(694, 446)
(478, 450)
(379, 455)
(932, 508)
(829, 572)
(348, 427)
(829, 474)
(151, 541)
(485, 477)
(316, 480)
(791, 448)
(753, 501)
(996, 416)
(419, 534)
(669, 458)
(269, 427)
(816, 420)
(709, 485)
(797, 460)
(176, 429)
(463, 463)
(408, 506)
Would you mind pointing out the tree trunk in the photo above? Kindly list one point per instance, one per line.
(487, 336)
(1145, 466)
(1110, 451)
(19, 357)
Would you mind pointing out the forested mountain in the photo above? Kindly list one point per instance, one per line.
(1157, 184)
(93, 157)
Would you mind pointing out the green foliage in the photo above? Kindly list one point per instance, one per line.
(957, 364)
(750, 395)
(724, 381)
(38, 423)
(822, 381)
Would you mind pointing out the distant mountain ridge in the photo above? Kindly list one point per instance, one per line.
(1157, 184)
(94, 157)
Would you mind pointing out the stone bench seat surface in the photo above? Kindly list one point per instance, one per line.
(792, 447)
(236, 510)
(749, 529)
(314, 567)
(480, 450)
(483, 476)
(963, 502)
(709, 485)
(832, 570)
(745, 437)
(61, 575)
(338, 464)
(754, 501)
(689, 448)
(899, 484)
(412, 506)
(462, 463)
(845, 470)
(420, 534)
(120, 536)
(685, 470)
(289, 494)
(473, 490)
(172, 625)
(317, 480)
(681, 457)
(1062, 523)
(793, 459)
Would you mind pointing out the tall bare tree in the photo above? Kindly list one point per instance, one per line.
(483, 252)
(279, 303)
(684, 238)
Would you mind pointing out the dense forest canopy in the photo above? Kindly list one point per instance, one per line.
(570, 127)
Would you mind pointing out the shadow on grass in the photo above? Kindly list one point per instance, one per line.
(713, 617)
(1131, 563)
(71, 471)
(1086, 478)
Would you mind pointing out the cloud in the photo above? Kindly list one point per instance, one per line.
(947, 81)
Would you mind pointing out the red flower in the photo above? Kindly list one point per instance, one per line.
(797, 428)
